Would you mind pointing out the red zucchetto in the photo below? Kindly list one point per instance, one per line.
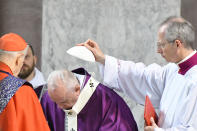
(12, 42)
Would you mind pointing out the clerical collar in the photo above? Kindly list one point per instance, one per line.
(187, 63)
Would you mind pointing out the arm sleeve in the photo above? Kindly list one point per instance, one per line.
(134, 79)
(189, 117)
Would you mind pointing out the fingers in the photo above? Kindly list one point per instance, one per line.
(94, 48)
(149, 128)
(92, 43)
(146, 128)
(80, 44)
(89, 47)
(153, 122)
(88, 43)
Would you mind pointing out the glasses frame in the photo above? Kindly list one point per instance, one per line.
(161, 45)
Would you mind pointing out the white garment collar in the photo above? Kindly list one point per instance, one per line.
(186, 58)
(84, 96)
(38, 79)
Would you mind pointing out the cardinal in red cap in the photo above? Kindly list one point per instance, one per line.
(20, 109)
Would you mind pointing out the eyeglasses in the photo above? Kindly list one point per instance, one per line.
(160, 45)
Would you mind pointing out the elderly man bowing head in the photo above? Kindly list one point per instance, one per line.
(64, 89)
(76, 101)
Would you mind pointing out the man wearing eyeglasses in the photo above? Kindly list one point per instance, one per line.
(170, 88)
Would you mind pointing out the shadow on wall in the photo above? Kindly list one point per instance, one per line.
(23, 17)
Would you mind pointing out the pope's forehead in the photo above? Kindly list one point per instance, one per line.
(57, 93)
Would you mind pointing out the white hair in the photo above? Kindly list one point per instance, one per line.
(180, 29)
(61, 77)
(13, 53)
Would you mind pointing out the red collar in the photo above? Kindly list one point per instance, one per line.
(188, 64)
(5, 68)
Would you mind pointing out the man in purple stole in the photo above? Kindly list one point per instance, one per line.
(83, 104)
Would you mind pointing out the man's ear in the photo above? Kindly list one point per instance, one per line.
(19, 59)
(178, 43)
(17, 64)
(77, 89)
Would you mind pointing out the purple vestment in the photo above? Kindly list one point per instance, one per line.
(105, 111)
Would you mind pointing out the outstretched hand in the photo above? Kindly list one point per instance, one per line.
(151, 128)
(94, 48)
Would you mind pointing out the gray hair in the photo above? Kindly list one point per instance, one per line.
(66, 77)
(12, 54)
(179, 29)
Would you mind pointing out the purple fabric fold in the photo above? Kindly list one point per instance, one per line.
(105, 111)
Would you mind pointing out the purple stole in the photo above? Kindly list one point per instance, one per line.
(8, 87)
(40, 90)
(188, 64)
(104, 111)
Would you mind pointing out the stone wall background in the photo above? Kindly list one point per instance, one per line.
(126, 29)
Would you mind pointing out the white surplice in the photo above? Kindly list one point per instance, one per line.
(38, 79)
(85, 94)
(173, 94)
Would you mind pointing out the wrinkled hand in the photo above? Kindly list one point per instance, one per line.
(151, 128)
(94, 48)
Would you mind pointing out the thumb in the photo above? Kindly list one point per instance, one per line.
(89, 47)
(89, 42)
(153, 122)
